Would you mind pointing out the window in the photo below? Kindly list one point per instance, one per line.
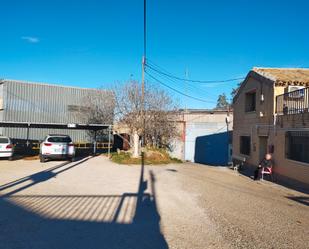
(245, 145)
(297, 146)
(250, 101)
(59, 140)
(4, 140)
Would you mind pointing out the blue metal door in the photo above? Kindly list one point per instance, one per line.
(199, 141)
(212, 149)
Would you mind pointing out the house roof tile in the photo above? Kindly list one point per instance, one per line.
(285, 76)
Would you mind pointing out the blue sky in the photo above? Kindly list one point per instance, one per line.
(99, 43)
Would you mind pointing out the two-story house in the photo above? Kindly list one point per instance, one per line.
(271, 116)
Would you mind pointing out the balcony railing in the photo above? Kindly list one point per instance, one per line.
(293, 102)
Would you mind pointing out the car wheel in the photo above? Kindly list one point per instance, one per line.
(11, 158)
(42, 159)
(72, 159)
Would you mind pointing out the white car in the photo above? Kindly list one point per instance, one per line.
(6, 147)
(57, 147)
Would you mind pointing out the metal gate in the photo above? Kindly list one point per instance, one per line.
(206, 143)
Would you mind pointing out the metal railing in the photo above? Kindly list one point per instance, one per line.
(294, 102)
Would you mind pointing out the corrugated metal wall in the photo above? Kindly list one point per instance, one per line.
(36, 102)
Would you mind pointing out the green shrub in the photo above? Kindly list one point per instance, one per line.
(152, 156)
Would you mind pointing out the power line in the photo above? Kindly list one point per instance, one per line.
(189, 80)
(172, 83)
(175, 90)
(191, 86)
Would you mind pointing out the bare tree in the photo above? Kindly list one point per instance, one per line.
(160, 113)
(161, 117)
(128, 100)
(97, 108)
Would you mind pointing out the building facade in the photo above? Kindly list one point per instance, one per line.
(271, 116)
(22, 101)
(205, 136)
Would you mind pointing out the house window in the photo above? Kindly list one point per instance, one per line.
(245, 145)
(250, 101)
(297, 146)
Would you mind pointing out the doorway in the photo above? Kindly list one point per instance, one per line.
(262, 147)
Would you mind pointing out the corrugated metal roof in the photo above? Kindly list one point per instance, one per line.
(47, 84)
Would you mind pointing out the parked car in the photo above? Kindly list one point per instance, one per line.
(6, 147)
(57, 147)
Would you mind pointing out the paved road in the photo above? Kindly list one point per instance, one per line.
(94, 203)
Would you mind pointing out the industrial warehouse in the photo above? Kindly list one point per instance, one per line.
(22, 101)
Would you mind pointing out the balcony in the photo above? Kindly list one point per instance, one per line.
(295, 102)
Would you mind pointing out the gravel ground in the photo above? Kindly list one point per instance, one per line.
(93, 203)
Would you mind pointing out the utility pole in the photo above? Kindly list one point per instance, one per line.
(143, 115)
(228, 121)
(186, 77)
(185, 111)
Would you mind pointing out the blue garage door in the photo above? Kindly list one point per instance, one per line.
(212, 149)
(197, 130)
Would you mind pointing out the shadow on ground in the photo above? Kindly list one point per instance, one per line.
(29, 181)
(249, 172)
(130, 220)
(300, 199)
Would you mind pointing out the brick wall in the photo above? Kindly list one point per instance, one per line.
(257, 126)
(253, 124)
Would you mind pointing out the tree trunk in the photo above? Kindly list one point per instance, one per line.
(135, 145)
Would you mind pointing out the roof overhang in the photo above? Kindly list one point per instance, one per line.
(93, 127)
(255, 75)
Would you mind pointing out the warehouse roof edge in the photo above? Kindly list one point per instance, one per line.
(48, 84)
(54, 125)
